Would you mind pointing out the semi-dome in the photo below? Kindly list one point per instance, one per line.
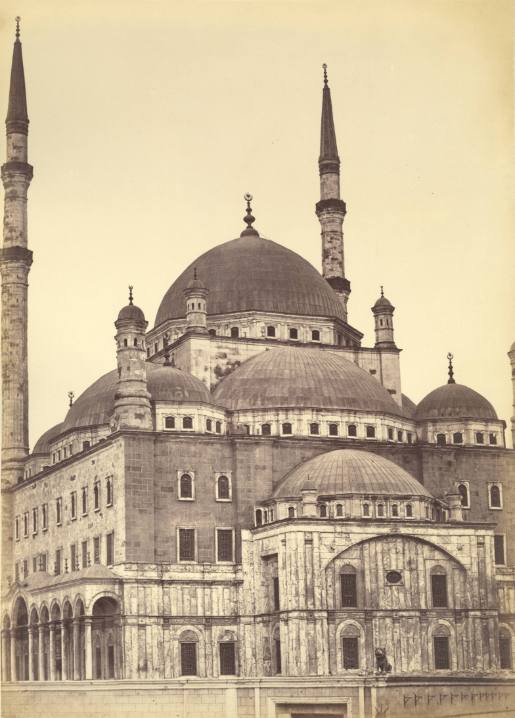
(165, 383)
(350, 471)
(294, 377)
(42, 445)
(454, 401)
(254, 274)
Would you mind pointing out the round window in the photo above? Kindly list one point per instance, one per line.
(393, 577)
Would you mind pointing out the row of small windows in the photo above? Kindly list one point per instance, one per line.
(78, 557)
(76, 501)
(186, 487)
(171, 422)
(494, 495)
(349, 593)
(333, 429)
(66, 451)
(188, 643)
(457, 438)
(187, 545)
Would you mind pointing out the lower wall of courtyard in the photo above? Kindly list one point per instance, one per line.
(371, 697)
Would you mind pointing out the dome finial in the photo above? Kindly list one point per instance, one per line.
(71, 397)
(130, 293)
(382, 290)
(450, 357)
(325, 73)
(249, 218)
(18, 19)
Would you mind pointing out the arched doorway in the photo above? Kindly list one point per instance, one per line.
(21, 638)
(105, 639)
(6, 649)
(34, 644)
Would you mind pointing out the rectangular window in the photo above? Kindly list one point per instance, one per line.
(34, 564)
(350, 651)
(96, 549)
(26, 524)
(84, 500)
(73, 504)
(188, 659)
(58, 560)
(25, 568)
(227, 659)
(73, 557)
(224, 545)
(505, 652)
(371, 432)
(500, 558)
(493, 439)
(17, 528)
(58, 511)
(42, 562)
(186, 544)
(17, 571)
(278, 659)
(409, 437)
(96, 495)
(439, 590)
(84, 551)
(44, 517)
(110, 548)
(34, 521)
(441, 648)
(390, 433)
(399, 436)
(109, 491)
(276, 593)
(333, 429)
(480, 438)
(349, 590)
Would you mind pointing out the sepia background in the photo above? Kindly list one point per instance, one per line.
(151, 119)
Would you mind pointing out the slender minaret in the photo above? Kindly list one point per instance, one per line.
(196, 305)
(15, 261)
(331, 209)
(132, 398)
(383, 311)
(511, 355)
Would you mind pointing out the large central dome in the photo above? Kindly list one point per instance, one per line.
(254, 274)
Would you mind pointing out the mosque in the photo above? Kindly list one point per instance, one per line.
(246, 516)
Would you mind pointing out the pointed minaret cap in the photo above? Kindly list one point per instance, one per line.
(328, 160)
(17, 119)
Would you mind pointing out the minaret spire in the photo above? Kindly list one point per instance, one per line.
(17, 117)
(331, 208)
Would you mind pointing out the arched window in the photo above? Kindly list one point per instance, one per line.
(350, 647)
(409, 511)
(109, 491)
(495, 497)
(480, 437)
(395, 510)
(349, 587)
(505, 654)
(464, 495)
(352, 430)
(270, 331)
(371, 432)
(323, 511)
(291, 512)
(457, 437)
(286, 428)
(125, 343)
(235, 332)
(366, 510)
(339, 509)
(441, 648)
(187, 422)
(315, 335)
(440, 440)
(218, 427)
(212, 332)
(380, 509)
(439, 587)
(185, 487)
(96, 495)
(333, 429)
(209, 425)
(314, 428)
(266, 429)
(294, 333)
(259, 517)
(223, 487)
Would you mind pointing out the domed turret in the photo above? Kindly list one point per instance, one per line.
(383, 311)
(196, 305)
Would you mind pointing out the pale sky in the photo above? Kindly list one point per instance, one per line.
(150, 120)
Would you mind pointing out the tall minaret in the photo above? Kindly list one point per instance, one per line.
(15, 261)
(331, 209)
(511, 355)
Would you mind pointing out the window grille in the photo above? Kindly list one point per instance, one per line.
(441, 652)
(227, 658)
(224, 544)
(186, 544)
(349, 590)
(188, 659)
(350, 651)
(186, 487)
(223, 488)
(439, 590)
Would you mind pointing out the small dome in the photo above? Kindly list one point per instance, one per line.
(454, 401)
(165, 383)
(303, 378)
(350, 471)
(42, 445)
(254, 274)
(383, 302)
(132, 313)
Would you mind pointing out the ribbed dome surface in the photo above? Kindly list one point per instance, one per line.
(350, 471)
(454, 401)
(165, 383)
(131, 312)
(42, 445)
(296, 377)
(254, 274)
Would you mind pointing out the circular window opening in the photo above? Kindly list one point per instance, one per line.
(393, 577)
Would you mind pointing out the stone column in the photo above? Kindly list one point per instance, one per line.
(88, 668)
(6, 656)
(14, 672)
(64, 652)
(76, 650)
(30, 631)
(51, 651)
(41, 653)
